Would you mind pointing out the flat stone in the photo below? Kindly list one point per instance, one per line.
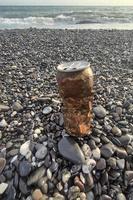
(100, 111)
(70, 150)
(17, 106)
(121, 163)
(4, 108)
(107, 150)
(25, 149)
(101, 164)
(47, 110)
(3, 187)
(35, 176)
(3, 123)
(37, 194)
(116, 131)
(112, 162)
(96, 153)
(2, 164)
(41, 152)
(24, 168)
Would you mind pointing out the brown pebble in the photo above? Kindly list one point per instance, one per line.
(37, 194)
(79, 183)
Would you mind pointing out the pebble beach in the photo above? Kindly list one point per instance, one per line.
(35, 161)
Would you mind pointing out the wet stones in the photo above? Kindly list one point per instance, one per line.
(70, 150)
(107, 150)
(99, 111)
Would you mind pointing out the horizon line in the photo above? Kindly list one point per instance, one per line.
(65, 5)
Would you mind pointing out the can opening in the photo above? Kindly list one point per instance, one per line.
(73, 66)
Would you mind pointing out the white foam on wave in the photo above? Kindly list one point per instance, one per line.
(28, 21)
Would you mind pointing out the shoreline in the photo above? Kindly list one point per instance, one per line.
(31, 120)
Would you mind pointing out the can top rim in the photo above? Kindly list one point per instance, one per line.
(73, 66)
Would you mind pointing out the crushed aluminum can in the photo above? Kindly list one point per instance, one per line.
(75, 81)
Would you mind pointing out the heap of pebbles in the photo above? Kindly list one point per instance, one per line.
(38, 159)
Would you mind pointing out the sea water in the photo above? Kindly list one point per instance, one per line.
(66, 17)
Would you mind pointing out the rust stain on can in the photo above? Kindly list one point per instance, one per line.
(75, 80)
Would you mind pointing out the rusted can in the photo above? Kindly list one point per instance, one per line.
(75, 80)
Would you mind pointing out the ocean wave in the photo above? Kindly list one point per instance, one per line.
(27, 21)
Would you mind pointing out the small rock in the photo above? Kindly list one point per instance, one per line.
(47, 110)
(35, 176)
(120, 196)
(116, 131)
(105, 197)
(112, 162)
(96, 153)
(120, 152)
(78, 183)
(90, 164)
(107, 150)
(90, 196)
(4, 108)
(89, 182)
(3, 187)
(37, 194)
(2, 164)
(65, 176)
(49, 174)
(99, 111)
(17, 106)
(41, 152)
(121, 163)
(101, 164)
(125, 140)
(24, 168)
(128, 177)
(37, 131)
(23, 187)
(3, 123)
(42, 184)
(86, 150)
(70, 150)
(25, 149)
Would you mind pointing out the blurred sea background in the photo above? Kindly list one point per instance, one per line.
(66, 17)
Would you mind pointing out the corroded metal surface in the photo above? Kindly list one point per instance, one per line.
(76, 90)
